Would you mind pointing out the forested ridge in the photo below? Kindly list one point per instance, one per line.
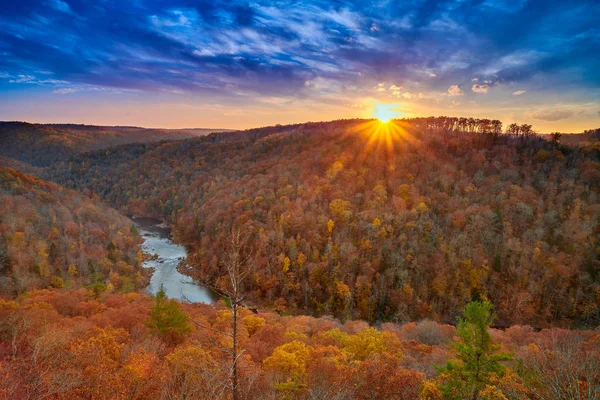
(43, 144)
(399, 222)
(51, 236)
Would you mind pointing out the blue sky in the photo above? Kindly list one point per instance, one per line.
(241, 64)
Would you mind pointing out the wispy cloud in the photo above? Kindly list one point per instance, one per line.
(554, 114)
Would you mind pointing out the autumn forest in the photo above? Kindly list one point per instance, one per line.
(425, 258)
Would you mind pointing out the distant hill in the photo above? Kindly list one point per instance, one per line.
(42, 144)
(579, 139)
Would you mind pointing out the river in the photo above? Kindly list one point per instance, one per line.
(157, 240)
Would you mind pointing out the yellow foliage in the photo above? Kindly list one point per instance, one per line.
(429, 391)
(335, 169)
(343, 291)
(19, 238)
(8, 305)
(407, 290)
(39, 304)
(422, 208)
(296, 335)
(381, 193)
(330, 225)
(301, 259)
(57, 282)
(253, 324)
(492, 393)
(366, 342)
(376, 222)
(289, 359)
(341, 208)
(286, 264)
(404, 191)
(188, 359)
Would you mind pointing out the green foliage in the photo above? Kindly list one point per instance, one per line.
(478, 359)
(96, 286)
(167, 320)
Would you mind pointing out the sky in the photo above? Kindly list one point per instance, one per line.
(238, 64)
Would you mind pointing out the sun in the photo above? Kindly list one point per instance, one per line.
(384, 112)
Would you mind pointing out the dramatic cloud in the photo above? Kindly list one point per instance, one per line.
(519, 92)
(237, 51)
(480, 88)
(455, 90)
(553, 114)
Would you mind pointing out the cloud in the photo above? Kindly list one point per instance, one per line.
(554, 114)
(455, 90)
(480, 88)
(61, 6)
(266, 49)
(65, 91)
(519, 92)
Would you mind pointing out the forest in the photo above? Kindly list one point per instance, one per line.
(432, 258)
(379, 222)
(54, 237)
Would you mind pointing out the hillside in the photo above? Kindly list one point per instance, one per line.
(357, 219)
(54, 237)
(41, 145)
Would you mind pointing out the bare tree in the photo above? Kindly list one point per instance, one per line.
(236, 262)
(564, 366)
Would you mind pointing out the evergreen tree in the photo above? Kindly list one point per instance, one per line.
(478, 359)
(167, 320)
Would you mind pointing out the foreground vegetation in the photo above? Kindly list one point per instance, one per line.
(61, 344)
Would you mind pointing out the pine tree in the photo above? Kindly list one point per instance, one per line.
(167, 320)
(478, 359)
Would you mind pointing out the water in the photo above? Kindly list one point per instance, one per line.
(176, 285)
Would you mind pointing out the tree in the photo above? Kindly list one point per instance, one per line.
(236, 264)
(289, 360)
(477, 362)
(233, 262)
(555, 138)
(167, 319)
